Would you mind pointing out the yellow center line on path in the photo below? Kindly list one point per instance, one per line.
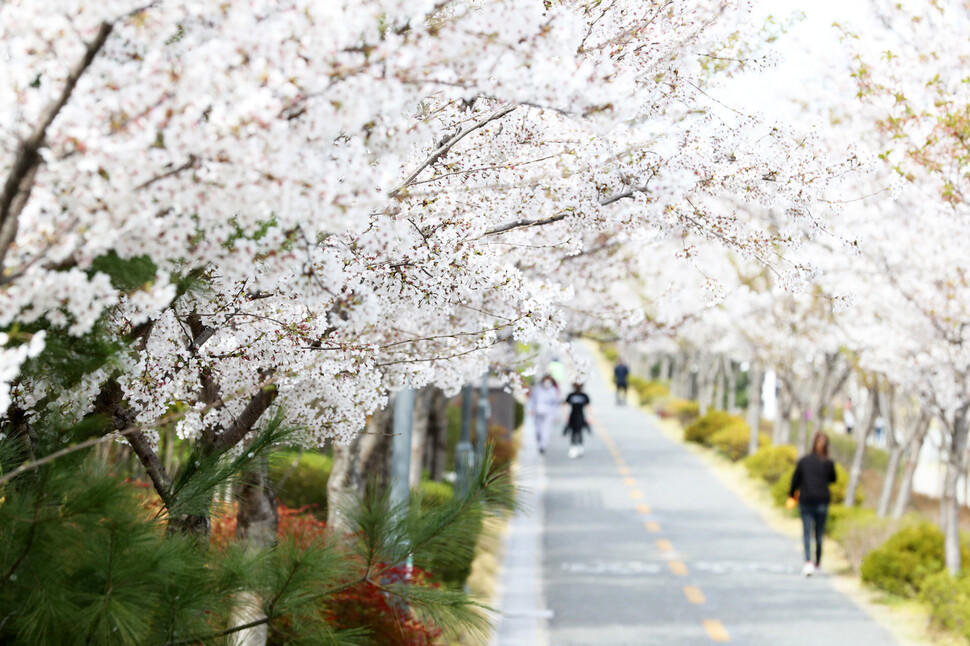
(624, 471)
(694, 594)
(652, 527)
(716, 630)
(664, 545)
(636, 494)
(630, 482)
(643, 508)
(679, 568)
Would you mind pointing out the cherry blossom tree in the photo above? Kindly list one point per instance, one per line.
(286, 203)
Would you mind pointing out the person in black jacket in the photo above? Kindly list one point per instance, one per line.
(577, 400)
(621, 374)
(813, 475)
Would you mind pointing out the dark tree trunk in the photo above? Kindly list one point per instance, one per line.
(257, 517)
(436, 449)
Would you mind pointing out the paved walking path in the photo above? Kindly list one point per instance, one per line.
(641, 545)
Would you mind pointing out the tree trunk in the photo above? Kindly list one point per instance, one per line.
(665, 368)
(951, 505)
(896, 452)
(366, 456)
(343, 486)
(803, 433)
(419, 433)
(707, 372)
(732, 387)
(257, 518)
(256, 525)
(782, 434)
(677, 375)
(436, 451)
(720, 391)
(889, 481)
(912, 461)
(755, 380)
(872, 410)
(169, 455)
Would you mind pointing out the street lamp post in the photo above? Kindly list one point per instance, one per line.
(401, 446)
(464, 452)
(484, 414)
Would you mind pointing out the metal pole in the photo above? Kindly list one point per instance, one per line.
(484, 414)
(401, 446)
(465, 452)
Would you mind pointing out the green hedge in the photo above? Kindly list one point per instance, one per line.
(770, 463)
(684, 410)
(306, 484)
(842, 519)
(701, 429)
(435, 494)
(649, 392)
(902, 563)
(949, 601)
(732, 440)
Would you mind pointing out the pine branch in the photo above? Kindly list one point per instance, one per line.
(221, 633)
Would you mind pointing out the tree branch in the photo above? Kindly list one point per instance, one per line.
(192, 161)
(447, 145)
(20, 181)
(257, 405)
(521, 224)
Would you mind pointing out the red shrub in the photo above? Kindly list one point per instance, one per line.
(389, 620)
(362, 605)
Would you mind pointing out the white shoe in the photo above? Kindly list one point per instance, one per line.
(580, 450)
(572, 452)
(809, 569)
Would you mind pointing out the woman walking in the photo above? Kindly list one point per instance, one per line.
(810, 488)
(544, 403)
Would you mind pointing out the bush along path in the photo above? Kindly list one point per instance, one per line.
(642, 545)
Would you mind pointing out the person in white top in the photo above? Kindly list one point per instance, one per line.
(544, 404)
(848, 418)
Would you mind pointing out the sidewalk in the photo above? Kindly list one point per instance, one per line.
(522, 612)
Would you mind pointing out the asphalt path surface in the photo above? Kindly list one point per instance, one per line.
(641, 545)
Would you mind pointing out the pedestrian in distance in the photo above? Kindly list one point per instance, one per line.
(544, 406)
(621, 375)
(578, 401)
(848, 417)
(810, 491)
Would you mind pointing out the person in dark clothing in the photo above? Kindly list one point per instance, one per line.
(577, 400)
(813, 475)
(621, 374)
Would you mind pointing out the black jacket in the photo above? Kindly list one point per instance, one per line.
(812, 477)
(577, 419)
